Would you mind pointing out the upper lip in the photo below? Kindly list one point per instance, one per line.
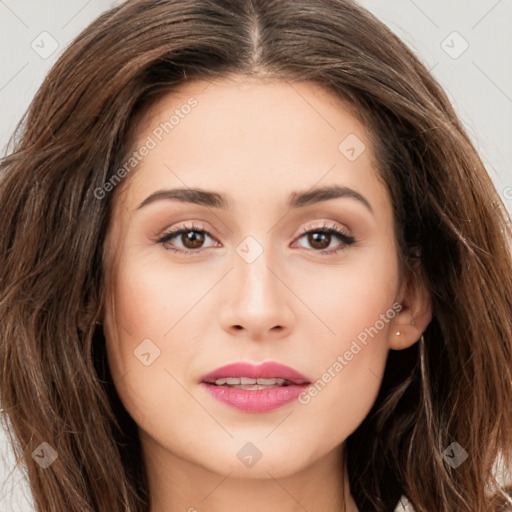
(268, 370)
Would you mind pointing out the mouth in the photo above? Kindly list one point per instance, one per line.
(252, 384)
(268, 374)
(255, 389)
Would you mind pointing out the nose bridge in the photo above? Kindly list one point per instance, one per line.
(257, 300)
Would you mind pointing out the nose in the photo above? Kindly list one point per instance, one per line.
(257, 302)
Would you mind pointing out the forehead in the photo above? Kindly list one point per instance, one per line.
(251, 139)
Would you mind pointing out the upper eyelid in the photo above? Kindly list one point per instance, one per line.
(186, 226)
(326, 225)
(176, 231)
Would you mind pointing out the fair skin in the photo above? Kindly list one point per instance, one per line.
(255, 143)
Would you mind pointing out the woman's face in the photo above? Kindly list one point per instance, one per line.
(243, 283)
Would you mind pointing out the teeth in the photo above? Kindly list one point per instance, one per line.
(235, 381)
(271, 382)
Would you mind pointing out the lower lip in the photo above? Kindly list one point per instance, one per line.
(261, 400)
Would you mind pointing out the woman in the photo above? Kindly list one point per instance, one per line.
(249, 254)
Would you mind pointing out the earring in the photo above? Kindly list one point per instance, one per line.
(397, 333)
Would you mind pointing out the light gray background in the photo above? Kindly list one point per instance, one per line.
(477, 80)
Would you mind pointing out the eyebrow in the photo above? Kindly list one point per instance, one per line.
(216, 200)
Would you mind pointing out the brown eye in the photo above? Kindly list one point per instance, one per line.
(187, 239)
(319, 239)
(192, 239)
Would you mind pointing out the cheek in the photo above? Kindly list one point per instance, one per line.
(348, 369)
(151, 301)
(150, 336)
(355, 307)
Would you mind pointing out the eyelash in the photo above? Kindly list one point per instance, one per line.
(326, 229)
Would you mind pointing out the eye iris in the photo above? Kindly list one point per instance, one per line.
(192, 239)
(319, 240)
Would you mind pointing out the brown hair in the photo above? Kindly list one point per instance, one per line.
(55, 383)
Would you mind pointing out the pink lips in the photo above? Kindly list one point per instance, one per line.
(255, 401)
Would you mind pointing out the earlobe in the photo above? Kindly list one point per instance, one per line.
(416, 313)
(404, 336)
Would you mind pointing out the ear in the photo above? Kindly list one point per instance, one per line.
(416, 313)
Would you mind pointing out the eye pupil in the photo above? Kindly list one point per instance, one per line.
(319, 240)
(192, 239)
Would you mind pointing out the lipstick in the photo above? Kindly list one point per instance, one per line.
(255, 388)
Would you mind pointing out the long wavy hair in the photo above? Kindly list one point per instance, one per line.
(455, 385)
